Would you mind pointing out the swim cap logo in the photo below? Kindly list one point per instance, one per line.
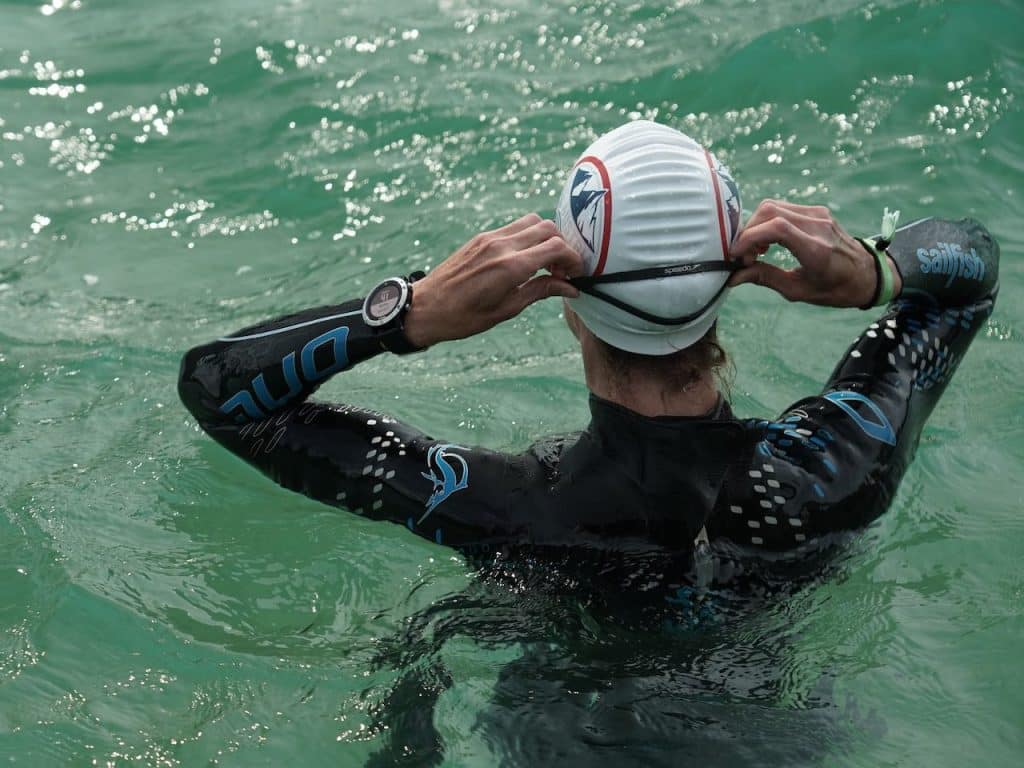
(590, 202)
(583, 203)
(730, 197)
(448, 472)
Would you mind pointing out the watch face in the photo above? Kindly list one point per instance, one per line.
(384, 302)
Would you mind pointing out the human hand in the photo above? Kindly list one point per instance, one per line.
(490, 279)
(835, 270)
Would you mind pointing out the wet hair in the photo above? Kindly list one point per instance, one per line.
(677, 370)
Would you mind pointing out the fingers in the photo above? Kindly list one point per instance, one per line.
(542, 287)
(788, 283)
(811, 219)
(755, 240)
(807, 239)
(518, 225)
(529, 236)
(769, 209)
(553, 254)
(528, 245)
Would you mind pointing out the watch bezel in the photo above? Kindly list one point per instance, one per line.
(403, 301)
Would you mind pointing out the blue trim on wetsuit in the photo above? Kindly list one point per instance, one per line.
(626, 483)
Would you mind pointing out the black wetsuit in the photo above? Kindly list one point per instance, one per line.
(628, 483)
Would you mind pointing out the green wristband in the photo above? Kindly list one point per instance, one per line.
(887, 289)
(885, 284)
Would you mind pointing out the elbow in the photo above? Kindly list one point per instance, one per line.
(187, 385)
(206, 390)
(193, 395)
(184, 384)
(985, 248)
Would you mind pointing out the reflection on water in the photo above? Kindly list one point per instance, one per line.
(609, 674)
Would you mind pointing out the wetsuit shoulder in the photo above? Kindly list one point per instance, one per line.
(548, 452)
(251, 392)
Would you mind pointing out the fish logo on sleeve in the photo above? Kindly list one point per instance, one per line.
(449, 473)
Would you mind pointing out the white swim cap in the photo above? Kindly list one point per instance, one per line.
(653, 213)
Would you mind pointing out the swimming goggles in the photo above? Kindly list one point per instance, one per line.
(587, 283)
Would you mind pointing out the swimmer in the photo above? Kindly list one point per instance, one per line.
(644, 250)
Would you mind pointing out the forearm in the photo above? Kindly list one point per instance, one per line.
(257, 371)
(891, 379)
(946, 263)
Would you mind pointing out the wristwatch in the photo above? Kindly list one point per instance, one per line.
(384, 312)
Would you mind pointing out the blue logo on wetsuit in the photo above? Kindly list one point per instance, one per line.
(949, 259)
(448, 472)
(335, 340)
(880, 430)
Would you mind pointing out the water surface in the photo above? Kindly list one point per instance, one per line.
(172, 171)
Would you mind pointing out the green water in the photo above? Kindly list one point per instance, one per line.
(173, 170)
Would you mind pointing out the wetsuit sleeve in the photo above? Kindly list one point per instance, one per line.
(250, 392)
(833, 462)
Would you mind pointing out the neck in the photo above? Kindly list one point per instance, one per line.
(650, 397)
(647, 394)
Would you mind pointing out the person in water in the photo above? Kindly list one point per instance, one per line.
(645, 245)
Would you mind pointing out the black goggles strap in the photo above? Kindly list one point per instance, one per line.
(586, 284)
(654, 273)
